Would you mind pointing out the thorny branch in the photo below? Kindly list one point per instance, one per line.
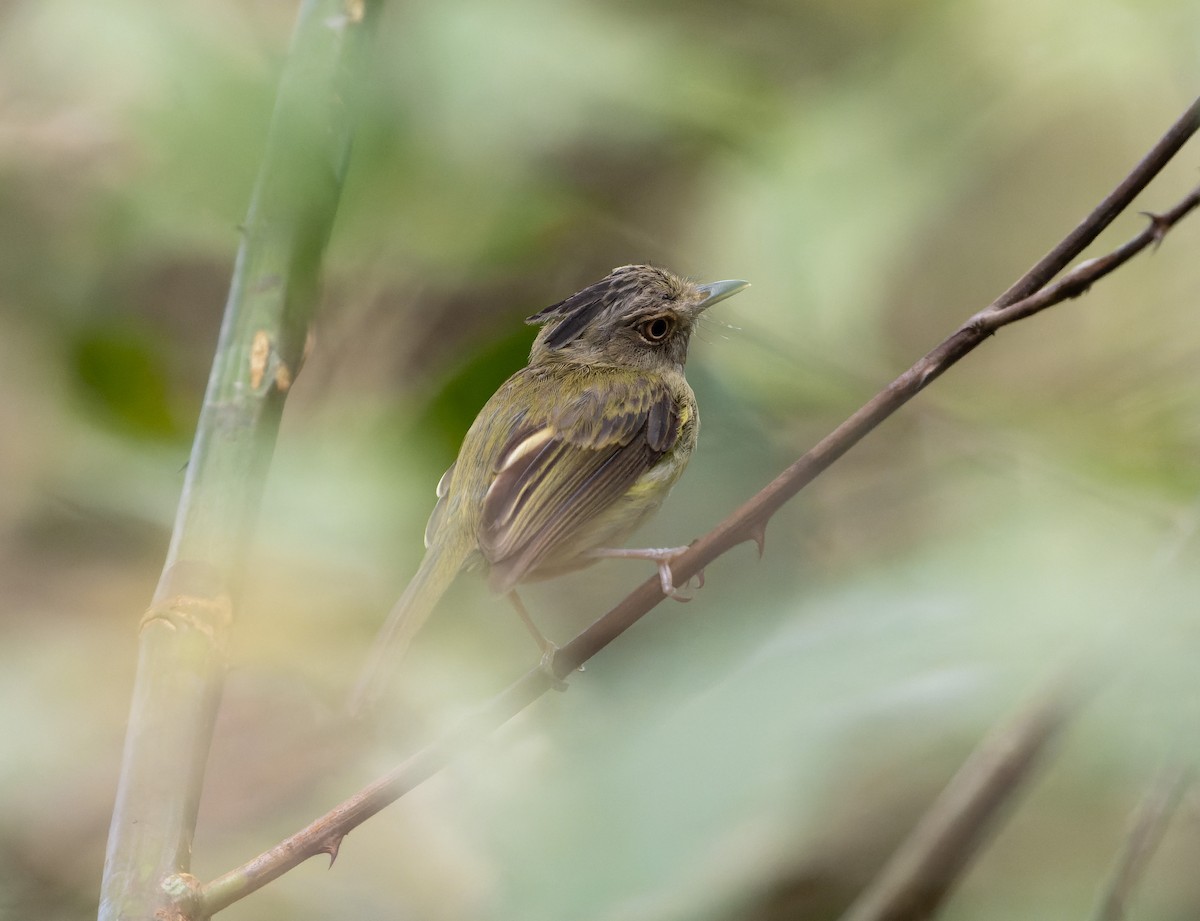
(1028, 295)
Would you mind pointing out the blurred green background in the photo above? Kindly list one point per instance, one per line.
(878, 171)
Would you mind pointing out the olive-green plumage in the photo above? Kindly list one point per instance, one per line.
(573, 451)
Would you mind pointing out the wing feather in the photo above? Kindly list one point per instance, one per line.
(555, 475)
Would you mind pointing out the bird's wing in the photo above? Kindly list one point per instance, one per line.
(558, 472)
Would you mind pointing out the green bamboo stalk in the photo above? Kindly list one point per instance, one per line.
(184, 635)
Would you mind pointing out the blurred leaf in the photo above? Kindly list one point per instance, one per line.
(120, 374)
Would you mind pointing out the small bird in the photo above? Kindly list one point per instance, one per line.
(570, 455)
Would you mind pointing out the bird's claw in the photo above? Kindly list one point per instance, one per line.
(675, 593)
(666, 578)
(549, 652)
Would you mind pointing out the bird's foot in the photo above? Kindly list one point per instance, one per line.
(549, 649)
(662, 557)
(549, 652)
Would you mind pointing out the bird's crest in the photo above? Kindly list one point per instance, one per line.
(573, 315)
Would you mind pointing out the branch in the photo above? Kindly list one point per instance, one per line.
(1103, 214)
(746, 523)
(183, 636)
(1150, 823)
(324, 836)
(922, 871)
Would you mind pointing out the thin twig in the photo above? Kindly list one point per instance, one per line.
(746, 523)
(920, 874)
(1103, 214)
(1150, 822)
(183, 636)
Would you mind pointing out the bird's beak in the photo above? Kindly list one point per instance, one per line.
(718, 291)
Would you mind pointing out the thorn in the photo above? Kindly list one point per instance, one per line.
(758, 534)
(1159, 225)
(331, 848)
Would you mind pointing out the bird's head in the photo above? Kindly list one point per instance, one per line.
(637, 316)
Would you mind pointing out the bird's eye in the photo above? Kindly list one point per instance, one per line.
(657, 329)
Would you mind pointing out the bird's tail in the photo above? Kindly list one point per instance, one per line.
(437, 570)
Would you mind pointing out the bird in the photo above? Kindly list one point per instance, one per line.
(570, 454)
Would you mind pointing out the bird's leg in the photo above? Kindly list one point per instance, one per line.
(662, 556)
(549, 650)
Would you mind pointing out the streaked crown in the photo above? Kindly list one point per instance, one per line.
(641, 315)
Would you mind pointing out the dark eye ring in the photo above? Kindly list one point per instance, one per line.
(657, 329)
